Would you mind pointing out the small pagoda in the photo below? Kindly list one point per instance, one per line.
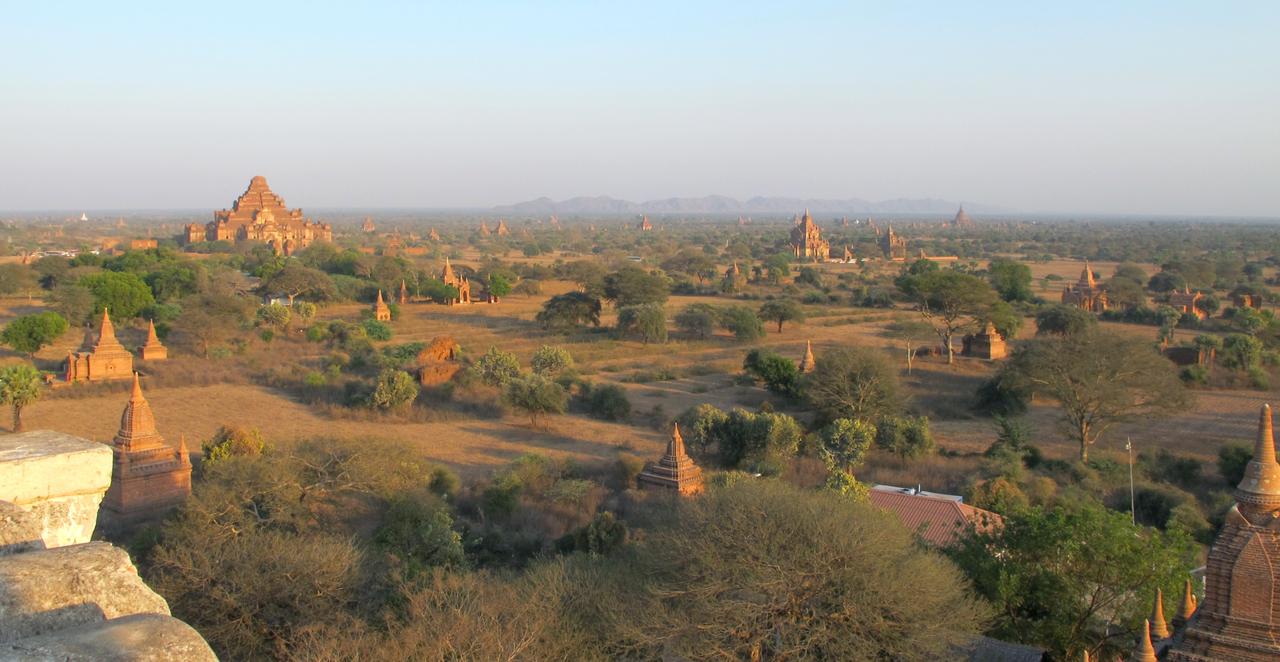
(675, 471)
(101, 357)
(148, 476)
(381, 311)
(152, 350)
(404, 293)
(807, 362)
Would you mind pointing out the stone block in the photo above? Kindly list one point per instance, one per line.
(58, 478)
(49, 590)
(20, 530)
(149, 637)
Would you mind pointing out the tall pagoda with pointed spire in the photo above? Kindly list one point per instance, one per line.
(1239, 618)
(152, 350)
(148, 477)
(101, 357)
(381, 311)
(675, 471)
(404, 293)
(1085, 293)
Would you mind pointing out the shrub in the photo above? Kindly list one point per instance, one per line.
(232, 441)
(375, 330)
(535, 395)
(609, 402)
(1232, 460)
(906, 437)
(418, 533)
(395, 389)
(496, 367)
(647, 320)
(742, 322)
(549, 361)
(779, 374)
(29, 333)
(699, 426)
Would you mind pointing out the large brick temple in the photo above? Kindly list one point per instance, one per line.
(261, 215)
(807, 241)
(1239, 618)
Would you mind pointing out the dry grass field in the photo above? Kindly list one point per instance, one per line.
(662, 381)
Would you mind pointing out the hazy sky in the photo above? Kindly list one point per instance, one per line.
(1125, 107)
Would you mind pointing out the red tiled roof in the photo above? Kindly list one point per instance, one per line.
(937, 521)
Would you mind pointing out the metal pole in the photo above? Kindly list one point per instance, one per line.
(1133, 513)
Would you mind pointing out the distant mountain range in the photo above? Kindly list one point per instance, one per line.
(719, 204)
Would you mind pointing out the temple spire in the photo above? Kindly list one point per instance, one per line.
(1159, 628)
(1261, 483)
(151, 332)
(807, 361)
(1186, 608)
(1086, 277)
(1144, 651)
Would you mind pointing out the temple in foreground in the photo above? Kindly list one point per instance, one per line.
(1239, 618)
(148, 476)
(260, 215)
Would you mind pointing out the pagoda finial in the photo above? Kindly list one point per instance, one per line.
(136, 395)
(1261, 482)
(1144, 651)
(1159, 628)
(807, 361)
(675, 447)
(380, 296)
(1186, 608)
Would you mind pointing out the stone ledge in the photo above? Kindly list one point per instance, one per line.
(58, 478)
(20, 530)
(49, 590)
(142, 637)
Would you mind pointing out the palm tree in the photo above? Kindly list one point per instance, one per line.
(19, 387)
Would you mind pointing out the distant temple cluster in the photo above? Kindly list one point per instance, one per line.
(1086, 293)
(260, 215)
(807, 241)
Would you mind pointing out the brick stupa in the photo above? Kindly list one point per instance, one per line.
(152, 350)
(807, 362)
(149, 477)
(675, 471)
(381, 311)
(1239, 618)
(100, 358)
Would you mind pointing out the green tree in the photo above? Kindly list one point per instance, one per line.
(647, 320)
(569, 310)
(395, 389)
(499, 285)
(949, 300)
(29, 333)
(1126, 293)
(845, 442)
(853, 383)
(535, 395)
(1072, 579)
(550, 361)
(1011, 279)
(294, 280)
(274, 316)
(781, 310)
(1063, 320)
(232, 441)
(1004, 318)
(697, 320)
(631, 285)
(777, 267)
(761, 440)
(1241, 352)
(15, 278)
(496, 367)
(73, 301)
(122, 293)
(779, 374)
(211, 318)
(20, 385)
(742, 322)
(1232, 461)
(417, 531)
(908, 438)
(1098, 379)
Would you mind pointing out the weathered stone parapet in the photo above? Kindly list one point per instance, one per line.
(59, 479)
(54, 589)
(151, 637)
(20, 530)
